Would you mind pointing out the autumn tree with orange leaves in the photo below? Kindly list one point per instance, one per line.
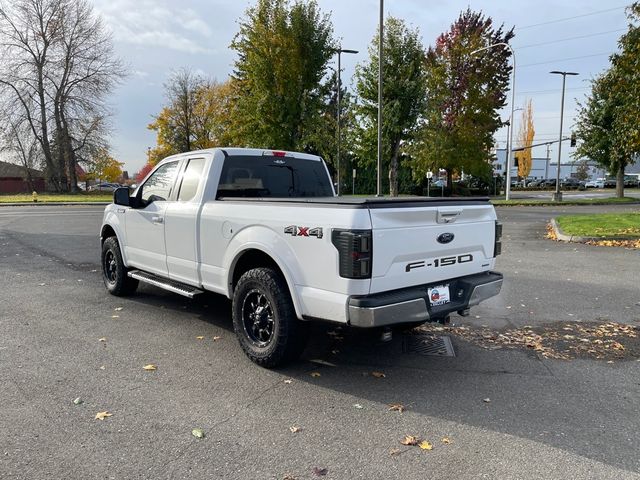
(525, 140)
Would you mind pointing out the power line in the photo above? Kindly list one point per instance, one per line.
(551, 42)
(571, 18)
(564, 59)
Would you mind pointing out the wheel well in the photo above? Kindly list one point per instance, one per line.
(107, 231)
(252, 259)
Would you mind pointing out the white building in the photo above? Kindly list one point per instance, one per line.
(545, 168)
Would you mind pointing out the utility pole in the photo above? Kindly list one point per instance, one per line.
(339, 139)
(380, 51)
(546, 167)
(557, 196)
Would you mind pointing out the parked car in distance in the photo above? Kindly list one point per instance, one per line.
(550, 182)
(537, 183)
(572, 183)
(610, 183)
(631, 181)
(103, 187)
(598, 183)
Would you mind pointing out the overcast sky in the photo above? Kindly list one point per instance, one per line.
(155, 36)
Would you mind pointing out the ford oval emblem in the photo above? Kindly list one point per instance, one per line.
(445, 237)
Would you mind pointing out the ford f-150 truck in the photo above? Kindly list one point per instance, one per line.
(265, 229)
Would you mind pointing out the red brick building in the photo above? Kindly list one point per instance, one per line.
(13, 179)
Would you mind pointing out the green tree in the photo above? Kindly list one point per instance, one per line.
(403, 93)
(283, 51)
(608, 123)
(464, 95)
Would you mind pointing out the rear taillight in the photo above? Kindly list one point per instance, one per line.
(497, 246)
(355, 251)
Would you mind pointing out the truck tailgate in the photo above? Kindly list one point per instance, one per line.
(430, 244)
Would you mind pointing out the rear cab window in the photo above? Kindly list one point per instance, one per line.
(273, 177)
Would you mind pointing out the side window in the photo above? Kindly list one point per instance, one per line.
(159, 185)
(191, 180)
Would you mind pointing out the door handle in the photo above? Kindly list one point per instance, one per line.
(157, 219)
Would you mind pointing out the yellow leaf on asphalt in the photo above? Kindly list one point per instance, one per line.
(446, 441)
(150, 367)
(424, 445)
(396, 407)
(394, 451)
(197, 432)
(102, 339)
(378, 374)
(315, 374)
(215, 339)
(200, 337)
(103, 415)
(409, 440)
(294, 429)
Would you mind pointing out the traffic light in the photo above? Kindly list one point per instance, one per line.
(573, 139)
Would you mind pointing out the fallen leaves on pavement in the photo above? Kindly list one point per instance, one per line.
(424, 445)
(565, 340)
(409, 440)
(151, 367)
(215, 339)
(320, 472)
(78, 401)
(200, 337)
(446, 441)
(103, 415)
(197, 432)
(294, 429)
(635, 244)
(315, 374)
(378, 374)
(396, 407)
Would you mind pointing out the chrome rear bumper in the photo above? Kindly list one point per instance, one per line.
(411, 305)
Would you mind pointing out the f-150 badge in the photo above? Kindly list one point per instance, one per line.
(296, 231)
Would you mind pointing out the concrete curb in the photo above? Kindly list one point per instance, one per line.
(560, 235)
(54, 204)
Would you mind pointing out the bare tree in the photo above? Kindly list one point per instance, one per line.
(61, 66)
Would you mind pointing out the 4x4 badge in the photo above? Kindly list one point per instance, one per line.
(296, 231)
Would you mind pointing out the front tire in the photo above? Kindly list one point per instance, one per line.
(114, 273)
(264, 319)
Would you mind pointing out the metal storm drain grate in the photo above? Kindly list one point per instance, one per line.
(432, 345)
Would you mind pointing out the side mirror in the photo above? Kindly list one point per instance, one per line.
(121, 196)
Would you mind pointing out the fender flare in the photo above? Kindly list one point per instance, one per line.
(111, 220)
(245, 240)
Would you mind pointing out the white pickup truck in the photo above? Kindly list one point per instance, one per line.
(265, 229)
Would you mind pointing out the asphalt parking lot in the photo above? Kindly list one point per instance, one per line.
(506, 413)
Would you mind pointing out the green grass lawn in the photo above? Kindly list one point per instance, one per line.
(566, 201)
(58, 197)
(624, 225)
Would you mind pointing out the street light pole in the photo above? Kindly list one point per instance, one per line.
(339, 51)
(557, 196)
(380, 42)
(507, 190)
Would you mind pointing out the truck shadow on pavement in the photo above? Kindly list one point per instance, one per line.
(576, 406)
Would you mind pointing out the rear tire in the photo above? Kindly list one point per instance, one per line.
(114, 273)
(264, 319)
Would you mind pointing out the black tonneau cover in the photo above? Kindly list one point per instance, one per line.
(366, 202)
